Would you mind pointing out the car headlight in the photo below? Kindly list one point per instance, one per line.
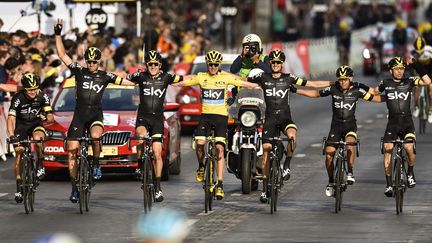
(248, 119)
(187, 99)
(55, 134)
(366, 54)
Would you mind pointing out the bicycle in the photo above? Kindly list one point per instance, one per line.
(84, 179)
(399, 173)
(29, 180)
(423, 104)
(147, 170)
(276, 178)
(341, 168)
(210, 175)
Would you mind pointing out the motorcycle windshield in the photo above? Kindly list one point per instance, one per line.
(248, 97)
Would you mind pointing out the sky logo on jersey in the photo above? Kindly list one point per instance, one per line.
(398, 96)
(344, 105)
(92, 86)
(213, 96)
(276, 93)
(154, 92)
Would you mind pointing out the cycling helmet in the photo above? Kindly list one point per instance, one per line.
(343, 25)
(419, 44)
(92, 54)
(30, 81)
(344, 71)
(277, 55)
(396, 62)
(152, 56)
(213, 57)
(252, 39)
(163, 224)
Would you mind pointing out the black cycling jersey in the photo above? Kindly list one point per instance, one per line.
(344, 103)
(398, 94)
(153, 90)
(26, 110)
(90, 86)
(277, 90)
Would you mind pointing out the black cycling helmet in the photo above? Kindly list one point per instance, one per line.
(344, 71)
(152, 56)
(419, 44)
(277, 55)
(30, 81)
(92, 54)
(213, 57)
(396, 62)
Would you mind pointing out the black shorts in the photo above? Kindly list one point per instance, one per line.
(274, 124)
(203, 129)
(339, 130)
(399, 126)
(154, 123)
(25, 130)
(83, 119)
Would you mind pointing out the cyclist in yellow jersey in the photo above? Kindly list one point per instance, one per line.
(213, 85)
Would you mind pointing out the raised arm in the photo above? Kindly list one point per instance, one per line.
(249, 85)
(379, 98)
(319, 84)
(59, 43)
(308, 93)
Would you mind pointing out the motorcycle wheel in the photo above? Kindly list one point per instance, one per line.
(246, 158)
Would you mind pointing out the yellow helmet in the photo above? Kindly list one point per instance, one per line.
(30, 81)
(396, 62)
(343, 25)
(344, 71)
(419, 44)
(213, 57)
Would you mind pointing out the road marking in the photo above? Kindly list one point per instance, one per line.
(300, 155)
(359, 126)
(236, 194)
(191, 222)
(203, 213)
(369, 121)
(231, 203)
(380, 115)
(3, 194)
(316, 145)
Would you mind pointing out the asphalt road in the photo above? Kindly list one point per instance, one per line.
(304, 214)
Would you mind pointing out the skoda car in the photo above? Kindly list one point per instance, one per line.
(119, 105)
(189, 98)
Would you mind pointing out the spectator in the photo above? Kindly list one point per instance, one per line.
(343, 42)
(400, 39)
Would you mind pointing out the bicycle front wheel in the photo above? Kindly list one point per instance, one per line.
(208, 184)
(82, 181)
(398, 186)
(33, 178)
(26, 180)
(146, 184)
(339, 185)
(89, 185)
(273, 185)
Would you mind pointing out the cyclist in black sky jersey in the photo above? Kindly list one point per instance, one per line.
(90, 85)
(398, 90)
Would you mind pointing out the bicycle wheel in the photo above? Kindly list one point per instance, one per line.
(82, 172)
(89, 185)
(339, 185)
(208, 185)
(397, 186)
(145, 184)
(33, 178)
(150, 184)
(25, 178)
(273, 187)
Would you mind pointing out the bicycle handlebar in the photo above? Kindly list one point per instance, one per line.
(25, 142)
(144, 138)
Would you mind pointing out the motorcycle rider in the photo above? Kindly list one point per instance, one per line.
(276, 87)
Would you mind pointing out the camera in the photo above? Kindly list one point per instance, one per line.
(253, 49)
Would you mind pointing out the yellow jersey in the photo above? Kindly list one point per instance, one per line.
(214, 91)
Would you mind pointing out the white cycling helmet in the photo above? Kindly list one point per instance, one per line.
(252, 38)
(255, 72)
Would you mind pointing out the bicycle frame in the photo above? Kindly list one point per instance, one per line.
(340, 171)
(147, 170)
(210, 167)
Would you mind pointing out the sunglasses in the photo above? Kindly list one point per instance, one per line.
(153, 64)
(276, 62)
(92, 62)
(213, 64)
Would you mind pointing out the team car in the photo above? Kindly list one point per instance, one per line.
(119, 105)
(189, 98)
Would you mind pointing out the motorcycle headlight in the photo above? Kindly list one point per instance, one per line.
(187, 99)
(248, 119)
(366, 54)
(55, 134)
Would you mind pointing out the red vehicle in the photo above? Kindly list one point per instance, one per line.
(189, 98)
(119, 104)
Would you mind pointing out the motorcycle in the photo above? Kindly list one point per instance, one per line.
(248, 112)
